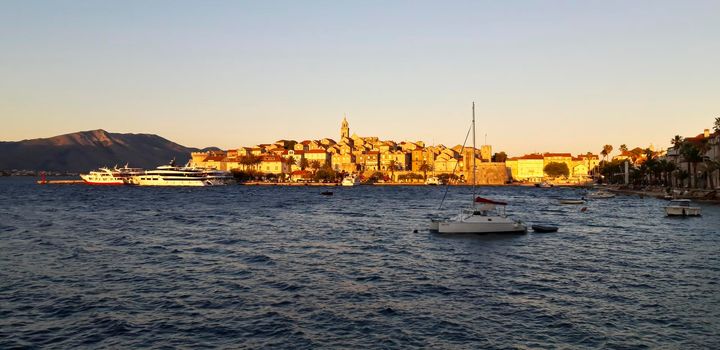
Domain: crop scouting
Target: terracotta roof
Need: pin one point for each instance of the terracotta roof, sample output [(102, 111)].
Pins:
[(271, 158), (548, 154)]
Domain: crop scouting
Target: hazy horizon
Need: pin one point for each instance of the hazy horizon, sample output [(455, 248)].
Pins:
[(546, 76)]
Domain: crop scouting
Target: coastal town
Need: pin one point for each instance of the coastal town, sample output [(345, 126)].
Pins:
[(692, 162)]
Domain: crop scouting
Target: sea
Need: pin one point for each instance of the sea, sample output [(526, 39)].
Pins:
[(252, 267)]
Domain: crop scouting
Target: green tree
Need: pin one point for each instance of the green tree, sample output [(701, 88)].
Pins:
[(290, 161), (692, 155), (716, 126), (315, 165), (623, 148), (607, 149), (555, 169), (392, 164), (304, 163), (425, 167)]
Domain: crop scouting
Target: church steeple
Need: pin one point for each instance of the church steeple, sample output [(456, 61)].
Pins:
[(344, 129)]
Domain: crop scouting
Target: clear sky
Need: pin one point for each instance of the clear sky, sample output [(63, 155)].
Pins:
[(546, 75)]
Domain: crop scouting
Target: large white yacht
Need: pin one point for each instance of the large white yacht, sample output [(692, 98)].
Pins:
[(172, 175)]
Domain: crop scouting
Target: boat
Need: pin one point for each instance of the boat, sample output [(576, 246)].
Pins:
[(544, 228), (433, 181), (350, 180), (484, 215), (601, 195), (103, 176), (544, 184), (326, 193), (173, 175), (107, 176), (571, 201), (681, 207)]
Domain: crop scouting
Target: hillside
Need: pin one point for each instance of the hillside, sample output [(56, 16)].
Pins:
[(86, 150)]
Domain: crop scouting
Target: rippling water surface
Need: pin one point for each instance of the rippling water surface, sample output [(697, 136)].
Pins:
[(276, 267)]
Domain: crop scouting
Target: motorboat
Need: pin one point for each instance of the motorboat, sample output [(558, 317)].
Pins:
[(600, 195), (681, 207), (433, 181), (484, 215), (350, 180), (544, 184)]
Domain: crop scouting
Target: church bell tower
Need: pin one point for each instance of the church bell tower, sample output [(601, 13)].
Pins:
[(344, 129)]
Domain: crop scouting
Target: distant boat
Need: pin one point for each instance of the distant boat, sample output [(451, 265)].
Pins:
[(544, 184), (571, 201), (681, 207), (544, 228), (433, 181), (350, 180), (484, 216), (601, 195)]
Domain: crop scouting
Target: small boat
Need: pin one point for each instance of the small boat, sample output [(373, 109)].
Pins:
[(326, 193), (681, 207), (601, 195), (544, 184), (433, 181), (544, 228), (571, 201), (350, 180)]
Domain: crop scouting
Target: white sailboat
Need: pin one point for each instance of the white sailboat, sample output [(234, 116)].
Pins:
[(484, 216)]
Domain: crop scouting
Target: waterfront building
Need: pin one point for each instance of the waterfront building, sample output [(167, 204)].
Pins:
[(273, 164), (529, 167), (319, 155)]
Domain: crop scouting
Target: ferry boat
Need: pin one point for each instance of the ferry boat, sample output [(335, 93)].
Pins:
[(103, 176), (107, 176)]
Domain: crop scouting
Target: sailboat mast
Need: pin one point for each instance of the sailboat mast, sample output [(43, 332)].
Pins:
[(473, 153)]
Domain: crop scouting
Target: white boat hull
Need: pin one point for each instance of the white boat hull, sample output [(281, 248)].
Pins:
[(682, 211), (148, 180), (489, 227)]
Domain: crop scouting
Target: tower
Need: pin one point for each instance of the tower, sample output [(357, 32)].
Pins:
[(344, 129)]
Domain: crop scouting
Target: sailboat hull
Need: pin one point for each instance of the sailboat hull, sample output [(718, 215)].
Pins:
[(487, 227)]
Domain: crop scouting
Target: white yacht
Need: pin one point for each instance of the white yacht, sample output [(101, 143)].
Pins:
[(681, 207), (484, 216), (433, 181), (350, 180), (219, 177), (172, 175), (103, 176), (107, 176)]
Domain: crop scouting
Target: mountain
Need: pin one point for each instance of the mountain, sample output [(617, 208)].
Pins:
[(87, 150)]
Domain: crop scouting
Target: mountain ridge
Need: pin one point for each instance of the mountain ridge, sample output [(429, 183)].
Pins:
[(87, 150)]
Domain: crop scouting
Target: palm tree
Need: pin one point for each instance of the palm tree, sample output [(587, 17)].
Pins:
[(315, 164), (304, 163), (623, 148), (710, 167), (716, 127), (392, 164), (692, 155), (425, 167), (290, 161), (677, 141)]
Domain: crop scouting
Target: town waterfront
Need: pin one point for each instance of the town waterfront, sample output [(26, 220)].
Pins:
[(284, 267)]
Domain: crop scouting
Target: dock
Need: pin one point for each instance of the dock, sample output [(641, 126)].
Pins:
[(59, 182)]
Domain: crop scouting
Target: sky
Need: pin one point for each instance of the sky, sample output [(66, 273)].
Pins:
[(559, 76)]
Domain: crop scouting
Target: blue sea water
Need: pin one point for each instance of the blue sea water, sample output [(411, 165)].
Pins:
[(284, 267)]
